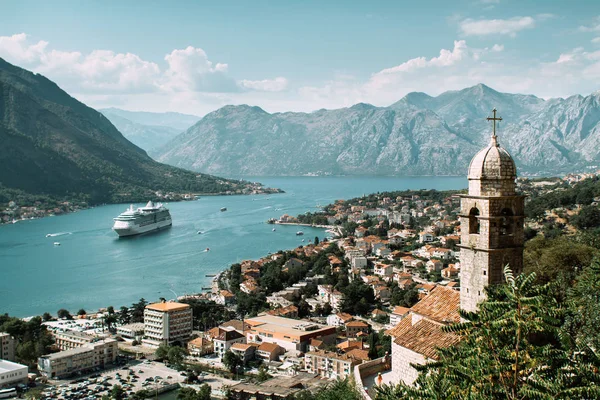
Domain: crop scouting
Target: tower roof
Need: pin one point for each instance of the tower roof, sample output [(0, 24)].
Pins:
[(493, 162)]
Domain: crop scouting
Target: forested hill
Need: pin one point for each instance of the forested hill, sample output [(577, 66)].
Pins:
[(53, 144)]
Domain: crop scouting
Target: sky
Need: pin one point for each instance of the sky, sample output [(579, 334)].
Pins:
[(197, 56)]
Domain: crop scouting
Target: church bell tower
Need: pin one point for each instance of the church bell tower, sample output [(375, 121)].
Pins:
[(491, 222)]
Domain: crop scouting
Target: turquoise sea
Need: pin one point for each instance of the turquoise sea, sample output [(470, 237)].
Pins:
[(93, 268)]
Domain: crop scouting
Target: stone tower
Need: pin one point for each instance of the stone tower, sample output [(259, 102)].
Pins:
[(491, 223)]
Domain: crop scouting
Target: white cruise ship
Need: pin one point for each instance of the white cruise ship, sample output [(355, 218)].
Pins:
[(145, 219)]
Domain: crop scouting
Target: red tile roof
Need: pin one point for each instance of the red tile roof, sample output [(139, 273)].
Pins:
[(440, 305), (424, 337)]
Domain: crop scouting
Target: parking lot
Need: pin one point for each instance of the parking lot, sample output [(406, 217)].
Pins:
[(136, 376)]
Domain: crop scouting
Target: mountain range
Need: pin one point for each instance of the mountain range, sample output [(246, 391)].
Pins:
[(418, 135), (149, 130), (54, 145)]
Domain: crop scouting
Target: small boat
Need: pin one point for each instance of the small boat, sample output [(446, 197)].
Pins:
[(57, 243), (303, 240), (299, 233), (207, 249), (199, 233), (48, 234), (223, 209), (273, 229), (210, 275)]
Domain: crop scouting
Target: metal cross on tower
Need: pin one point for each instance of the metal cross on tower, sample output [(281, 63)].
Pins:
[(494, 118)]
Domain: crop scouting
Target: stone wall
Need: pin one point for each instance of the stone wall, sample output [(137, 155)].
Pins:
[(401, 360)]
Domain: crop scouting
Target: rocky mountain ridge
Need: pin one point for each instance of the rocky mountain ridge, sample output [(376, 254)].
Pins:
[(418, 135)]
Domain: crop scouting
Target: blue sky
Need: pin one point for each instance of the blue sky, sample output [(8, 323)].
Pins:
[(281, 55)]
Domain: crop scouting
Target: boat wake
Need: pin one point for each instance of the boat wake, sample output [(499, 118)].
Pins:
[(59, 234)]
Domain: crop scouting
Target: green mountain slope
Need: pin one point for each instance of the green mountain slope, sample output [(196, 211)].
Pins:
[(53, 144)]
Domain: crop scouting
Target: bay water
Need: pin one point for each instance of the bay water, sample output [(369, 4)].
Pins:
[(93, 268)]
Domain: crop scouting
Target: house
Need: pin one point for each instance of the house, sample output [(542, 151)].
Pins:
[(426, 237), (293, 263), (225, 340), (288, 312), (384, 270), (245, 351), (397, 314), (349, 345), (339, 319), (360, 232), (377, 313), (450, 272), (200, 347), (434, 265), (396, 240), (269, 351), (354, 327), (383, 251), (358, 262), (382, 292), (425, 288), (329, 365), (225, 297), (249, 286), (405, 283)]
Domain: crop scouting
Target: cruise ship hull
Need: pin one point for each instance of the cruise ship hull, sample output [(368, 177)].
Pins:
[(138, 230)]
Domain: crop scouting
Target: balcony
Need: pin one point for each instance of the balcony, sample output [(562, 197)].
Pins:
[(366, 376)]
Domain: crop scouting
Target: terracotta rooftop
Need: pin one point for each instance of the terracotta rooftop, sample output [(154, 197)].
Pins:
[(242, 346), (399, 310), (440, 305), (425, 337), (359, 354), (357, 324), (270, 347), (167, 306)]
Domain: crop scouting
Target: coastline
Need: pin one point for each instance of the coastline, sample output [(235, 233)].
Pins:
[(61, 211)]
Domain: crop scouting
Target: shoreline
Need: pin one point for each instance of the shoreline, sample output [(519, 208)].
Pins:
[(79, 208)]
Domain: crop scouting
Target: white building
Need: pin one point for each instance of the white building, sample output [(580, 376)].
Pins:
[(167, 322), (131, 331), (7, 347), (225, 340), (11, 373), (65, 363)]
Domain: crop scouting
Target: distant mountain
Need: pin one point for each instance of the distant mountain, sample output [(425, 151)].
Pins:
[(149, 130), (418, 135), (55, 145)]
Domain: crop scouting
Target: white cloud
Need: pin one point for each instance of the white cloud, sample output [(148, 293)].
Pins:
[(498, 47), (103, 72), (596, 40), (593, 27), (190, 69), (483, 27), (266, 85)]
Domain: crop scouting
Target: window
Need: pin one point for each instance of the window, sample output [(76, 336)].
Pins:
[(506, 224), (474, 220)]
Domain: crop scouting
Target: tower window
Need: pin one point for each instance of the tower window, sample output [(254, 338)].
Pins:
[(506, 222), (474, 220)]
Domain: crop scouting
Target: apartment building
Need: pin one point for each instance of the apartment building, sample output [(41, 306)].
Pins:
[(329, 364), (80, 359), (291, 334), (11, 374), (8, 346), (72, 339), (167, 322)]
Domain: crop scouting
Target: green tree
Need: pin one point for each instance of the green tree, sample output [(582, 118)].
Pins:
[(81, 312), (263, 374), (47, 317), (162, 352), (588, 217), (63, 314), (583, 317), (117, 392), (513, 348), (316, 240), (124, 317), (231, 360), (176, 355)]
